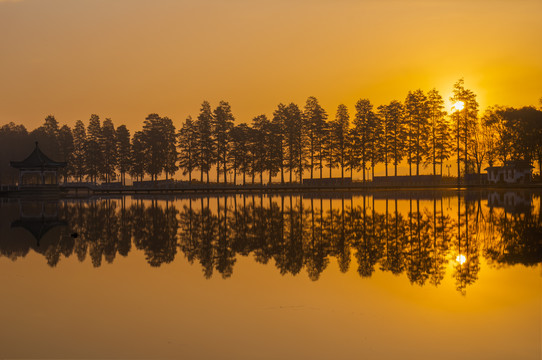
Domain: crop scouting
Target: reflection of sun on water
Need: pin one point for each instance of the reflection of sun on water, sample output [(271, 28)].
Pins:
[(461, 259)]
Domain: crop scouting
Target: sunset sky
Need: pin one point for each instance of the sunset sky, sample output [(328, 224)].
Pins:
[(125, 59)]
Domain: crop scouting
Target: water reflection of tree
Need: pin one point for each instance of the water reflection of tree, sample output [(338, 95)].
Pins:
[(517, 239), (466, 247), (417, 254), (316, 248), (225, 252), (341, 242), (205, 235), (440, 243), (368, 245), (300, 234)]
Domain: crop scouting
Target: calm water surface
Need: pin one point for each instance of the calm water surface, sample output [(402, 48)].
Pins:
[(379, 276)]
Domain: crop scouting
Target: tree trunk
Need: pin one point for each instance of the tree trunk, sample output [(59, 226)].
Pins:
[(291, 174), (321, 167), (434, 153), (225, 168), (458, 151), (395, 155), (312, 160), (466, 141)]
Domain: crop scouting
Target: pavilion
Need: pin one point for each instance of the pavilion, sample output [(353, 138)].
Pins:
[(38, 171), (39, 217)]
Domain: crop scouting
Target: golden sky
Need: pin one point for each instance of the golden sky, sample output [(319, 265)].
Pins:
[(127, 58)]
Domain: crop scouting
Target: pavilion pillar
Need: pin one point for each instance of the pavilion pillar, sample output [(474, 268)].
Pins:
[(42, 178)]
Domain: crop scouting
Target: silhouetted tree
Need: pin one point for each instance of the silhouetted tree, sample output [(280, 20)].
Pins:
[(153, 147), (438, 144), (138, 156), (238, 156), (340, 140), (122, 139), (294, 140), (363, 122), (417, 128), (15, 144), (159, 138), (188, 145), (108, 145), (481, 146), (206, 147), (66, 148), (78, 163), (222, 124), (277, 136), (47, 136), (523, 127), (315, 123), (260, 158), (169, 138), (394, 130), (94, 155), (465, 121)]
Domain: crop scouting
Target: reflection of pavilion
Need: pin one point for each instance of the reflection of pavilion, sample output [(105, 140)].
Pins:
[(38, 218), (38, 171), (511, 202)]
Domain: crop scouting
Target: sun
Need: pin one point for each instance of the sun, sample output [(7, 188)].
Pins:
[(461, 259), (458, 106)]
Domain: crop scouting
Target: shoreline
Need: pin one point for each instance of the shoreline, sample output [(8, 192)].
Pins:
[(88, 191)]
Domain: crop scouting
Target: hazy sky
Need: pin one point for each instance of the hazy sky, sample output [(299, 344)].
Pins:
[(127, 58)]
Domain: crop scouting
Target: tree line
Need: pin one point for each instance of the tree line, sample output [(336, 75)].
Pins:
[(295, 142), (296, 234)]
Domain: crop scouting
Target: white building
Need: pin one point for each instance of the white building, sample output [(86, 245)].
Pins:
[(512, 172), (511, 201)]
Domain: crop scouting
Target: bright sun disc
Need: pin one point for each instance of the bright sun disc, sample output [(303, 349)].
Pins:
[(461, 259), (458, 106)]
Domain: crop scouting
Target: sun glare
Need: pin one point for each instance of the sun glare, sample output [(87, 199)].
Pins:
[(461, 259), (458, 106)]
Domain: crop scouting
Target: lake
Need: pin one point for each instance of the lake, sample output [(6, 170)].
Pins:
[(383, 275)]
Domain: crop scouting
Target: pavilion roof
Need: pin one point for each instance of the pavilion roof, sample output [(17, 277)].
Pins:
[(38, 227), (37, 159)]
